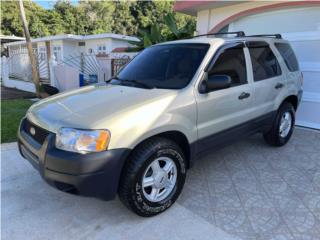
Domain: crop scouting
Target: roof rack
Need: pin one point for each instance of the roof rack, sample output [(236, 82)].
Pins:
[(267, 35), (238, 34)]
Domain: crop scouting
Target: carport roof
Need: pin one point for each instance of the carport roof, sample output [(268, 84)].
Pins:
[(5, 38), (78, 38)]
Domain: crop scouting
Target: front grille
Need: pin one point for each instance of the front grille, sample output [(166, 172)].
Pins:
[(37, 133)]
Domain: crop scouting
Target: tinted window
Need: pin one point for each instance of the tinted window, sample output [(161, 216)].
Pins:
[(288, 56), (264, 63), (169, 66), (232, 63)]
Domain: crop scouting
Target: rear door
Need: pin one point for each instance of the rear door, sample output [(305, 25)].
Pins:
[(266, 76), (222, 111)]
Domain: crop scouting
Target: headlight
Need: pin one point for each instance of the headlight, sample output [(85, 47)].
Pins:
[(82, 141)]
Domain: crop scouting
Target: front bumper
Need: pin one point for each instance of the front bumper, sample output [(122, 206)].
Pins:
[(92, 174)]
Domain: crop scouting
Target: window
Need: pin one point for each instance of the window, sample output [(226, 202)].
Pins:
[(102, 49), (57, 53), (169, 66), (288, 56), (42, 54), (232, 63), (264, 63)]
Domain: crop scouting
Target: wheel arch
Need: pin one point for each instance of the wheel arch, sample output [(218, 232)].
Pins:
[(179, 138), (293, 99)]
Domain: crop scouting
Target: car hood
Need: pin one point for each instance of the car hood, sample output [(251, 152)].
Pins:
[(94, 106)]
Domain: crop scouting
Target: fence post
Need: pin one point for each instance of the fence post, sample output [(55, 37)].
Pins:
[(48, 51), (82, 63), (4, 70), (52, 64)]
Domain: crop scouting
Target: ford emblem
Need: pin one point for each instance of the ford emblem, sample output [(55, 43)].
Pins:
[(32, 131)]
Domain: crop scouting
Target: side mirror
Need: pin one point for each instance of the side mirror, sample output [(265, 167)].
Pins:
[(215, 82)]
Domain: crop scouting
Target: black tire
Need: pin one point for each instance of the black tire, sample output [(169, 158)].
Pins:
[(273, 137), (49, 89), (130, 188)]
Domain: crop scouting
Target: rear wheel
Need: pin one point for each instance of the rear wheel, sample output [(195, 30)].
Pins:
[(153, 177), (282, 126)]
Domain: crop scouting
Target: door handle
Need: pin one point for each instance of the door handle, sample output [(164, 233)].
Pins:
[(244, 95), (278, 86)]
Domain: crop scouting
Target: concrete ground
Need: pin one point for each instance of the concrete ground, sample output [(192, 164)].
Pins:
[(245, 191)]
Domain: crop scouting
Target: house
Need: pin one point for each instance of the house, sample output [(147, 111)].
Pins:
[(78, 59), (64, 46), (296, 21)]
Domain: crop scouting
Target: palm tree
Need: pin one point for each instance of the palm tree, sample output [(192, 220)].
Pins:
[(152, 35)]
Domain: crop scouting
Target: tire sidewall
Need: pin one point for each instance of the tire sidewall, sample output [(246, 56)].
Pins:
[(285, 108), (152, 208)]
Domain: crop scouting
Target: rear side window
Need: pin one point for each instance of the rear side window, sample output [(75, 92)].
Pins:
[(264, 63), (232, 63), (288, 56)]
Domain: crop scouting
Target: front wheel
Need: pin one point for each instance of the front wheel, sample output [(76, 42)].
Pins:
[(153, 177), (282, 126)]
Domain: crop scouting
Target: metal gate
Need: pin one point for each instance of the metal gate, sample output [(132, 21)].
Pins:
[(118, 63), (19, 65), (85, 69)]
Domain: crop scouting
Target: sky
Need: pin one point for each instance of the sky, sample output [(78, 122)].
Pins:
[(47, 4)]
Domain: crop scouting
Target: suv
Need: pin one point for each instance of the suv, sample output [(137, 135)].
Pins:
[(138, 133)]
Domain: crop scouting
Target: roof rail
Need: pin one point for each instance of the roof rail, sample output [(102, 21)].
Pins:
[(238, 34), (267, 35)]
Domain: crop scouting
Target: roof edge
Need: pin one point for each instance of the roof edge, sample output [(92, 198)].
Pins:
[(78, 37)]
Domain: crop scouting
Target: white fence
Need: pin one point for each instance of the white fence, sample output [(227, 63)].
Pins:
[(65, 75)]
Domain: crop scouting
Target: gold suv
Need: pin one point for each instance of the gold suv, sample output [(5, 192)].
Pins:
[(139, 132)]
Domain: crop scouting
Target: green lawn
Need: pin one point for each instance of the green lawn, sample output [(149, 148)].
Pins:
[(11, 113)]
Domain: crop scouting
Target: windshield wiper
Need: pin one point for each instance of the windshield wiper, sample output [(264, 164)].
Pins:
[(142, 84), (110, 79), (135, 82)]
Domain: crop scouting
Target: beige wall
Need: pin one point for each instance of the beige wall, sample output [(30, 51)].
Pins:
[(280, 21), (207, 19)]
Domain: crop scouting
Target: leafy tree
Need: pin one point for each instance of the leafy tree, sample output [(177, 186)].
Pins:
[(124, 21), (152, 21), (41, 22), (153, 35), (54, 22), (98, 15), (10, 20), (11, 23), (68, 14)]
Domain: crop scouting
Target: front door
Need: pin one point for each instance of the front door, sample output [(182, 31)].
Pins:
[(221, 111)]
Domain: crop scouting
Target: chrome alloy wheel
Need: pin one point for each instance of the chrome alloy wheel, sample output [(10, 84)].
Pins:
[(285, 124), (159, 179)]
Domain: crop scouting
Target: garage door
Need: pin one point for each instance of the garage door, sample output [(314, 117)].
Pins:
[(307, 49), (301, 26)]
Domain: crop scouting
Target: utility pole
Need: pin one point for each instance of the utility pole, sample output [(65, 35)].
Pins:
[(35, 73)]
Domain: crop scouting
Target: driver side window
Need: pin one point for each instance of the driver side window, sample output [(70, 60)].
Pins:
[(231, 62)]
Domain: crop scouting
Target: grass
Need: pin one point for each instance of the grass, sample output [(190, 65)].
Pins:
[(11, 113)]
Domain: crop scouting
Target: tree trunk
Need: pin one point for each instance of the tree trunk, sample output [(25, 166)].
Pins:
[(35, 73)]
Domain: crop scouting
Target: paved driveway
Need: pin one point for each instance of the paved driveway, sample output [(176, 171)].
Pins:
[(245, 191)]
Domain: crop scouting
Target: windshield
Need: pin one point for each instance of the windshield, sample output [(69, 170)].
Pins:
[(170, 66)]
